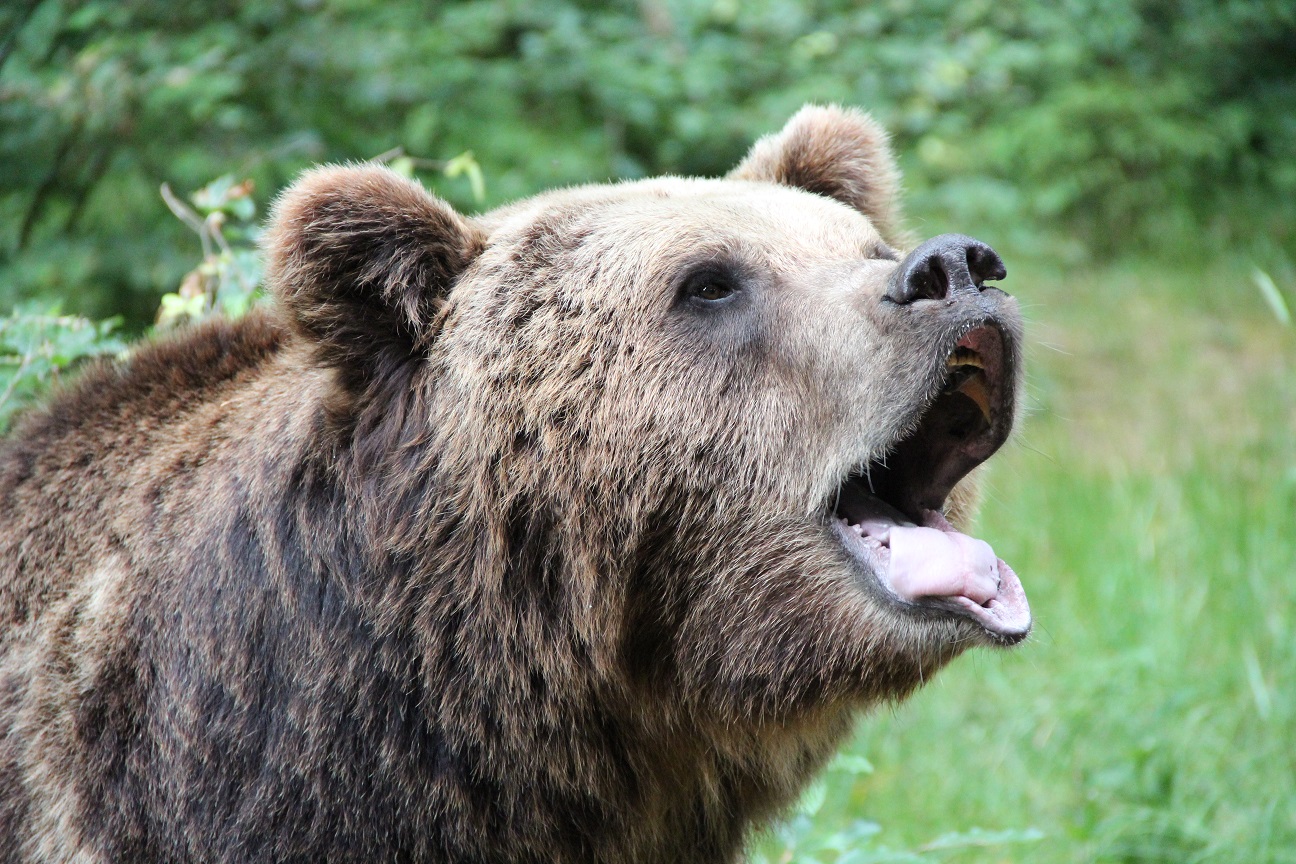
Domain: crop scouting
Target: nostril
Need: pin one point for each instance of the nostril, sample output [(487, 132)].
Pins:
[(931, 281), (984, 264), (974, 256), (920, 279)]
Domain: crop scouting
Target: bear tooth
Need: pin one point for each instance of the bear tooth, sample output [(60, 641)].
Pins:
[(974, 387), (964, 357)]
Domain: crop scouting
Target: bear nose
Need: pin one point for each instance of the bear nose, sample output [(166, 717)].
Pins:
[(944, 266)]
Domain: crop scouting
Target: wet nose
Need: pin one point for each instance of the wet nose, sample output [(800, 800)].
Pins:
[(944, 266)]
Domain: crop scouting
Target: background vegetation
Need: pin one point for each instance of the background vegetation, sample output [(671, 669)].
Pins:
[(1134, 160)]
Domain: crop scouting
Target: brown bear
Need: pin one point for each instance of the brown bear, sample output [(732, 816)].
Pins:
[(578, 531)]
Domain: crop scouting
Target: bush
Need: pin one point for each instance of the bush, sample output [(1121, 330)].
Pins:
[(1117, 123)]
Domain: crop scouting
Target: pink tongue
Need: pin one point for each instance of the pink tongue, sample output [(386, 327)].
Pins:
[(927, 562)]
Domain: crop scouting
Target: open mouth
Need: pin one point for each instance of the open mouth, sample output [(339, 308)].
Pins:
[(891, 512)]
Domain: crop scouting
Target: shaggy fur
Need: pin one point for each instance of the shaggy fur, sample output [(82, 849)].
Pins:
[(486, 543)]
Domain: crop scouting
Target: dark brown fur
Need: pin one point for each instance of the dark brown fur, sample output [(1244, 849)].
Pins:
[(431, 562)]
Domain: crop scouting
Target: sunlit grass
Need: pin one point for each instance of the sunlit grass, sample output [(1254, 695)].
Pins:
[(1150, 508)]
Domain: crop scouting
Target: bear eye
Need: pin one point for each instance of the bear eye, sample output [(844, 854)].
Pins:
[(712, 289), (709, 286)]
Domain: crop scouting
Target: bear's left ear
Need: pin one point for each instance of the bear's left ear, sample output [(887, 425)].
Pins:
[(362, 259), (837, 152)]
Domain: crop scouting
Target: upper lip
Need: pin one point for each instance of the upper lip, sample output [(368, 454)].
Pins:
[(965, 420)]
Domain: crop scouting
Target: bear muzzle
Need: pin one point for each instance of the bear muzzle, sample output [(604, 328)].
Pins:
[(890, 512)]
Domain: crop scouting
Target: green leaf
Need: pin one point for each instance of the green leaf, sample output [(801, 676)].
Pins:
[(813, 798), (1269, 291), (465, 163), (849, 763), (242, 207), (215, 194), (176, 309)]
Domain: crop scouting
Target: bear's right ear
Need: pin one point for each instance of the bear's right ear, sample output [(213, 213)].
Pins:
[(361, 259)]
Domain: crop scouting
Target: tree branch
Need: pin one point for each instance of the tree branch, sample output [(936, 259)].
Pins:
[(47, 186), (98, 168)]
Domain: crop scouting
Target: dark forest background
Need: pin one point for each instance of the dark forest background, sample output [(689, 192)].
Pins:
[(1075, 128)]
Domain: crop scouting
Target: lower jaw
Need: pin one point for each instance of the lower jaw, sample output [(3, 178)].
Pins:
[(1004, 619)]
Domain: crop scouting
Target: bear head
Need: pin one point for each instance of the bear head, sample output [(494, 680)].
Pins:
[(681, 394)]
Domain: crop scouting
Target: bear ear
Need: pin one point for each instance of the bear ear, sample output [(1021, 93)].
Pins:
[(837, 152), (362, 259)]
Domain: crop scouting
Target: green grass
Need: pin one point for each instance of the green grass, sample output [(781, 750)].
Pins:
[(1149, 506)]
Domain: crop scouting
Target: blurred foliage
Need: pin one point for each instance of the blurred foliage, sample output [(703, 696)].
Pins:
[(39, 343), (228, 280), (1118, 124)]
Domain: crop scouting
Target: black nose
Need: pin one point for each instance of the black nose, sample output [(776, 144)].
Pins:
[(943, 266)]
